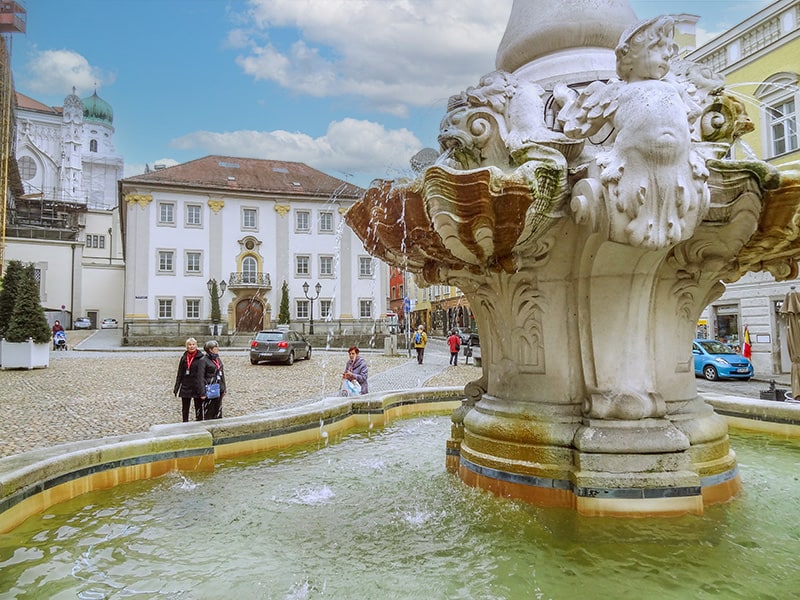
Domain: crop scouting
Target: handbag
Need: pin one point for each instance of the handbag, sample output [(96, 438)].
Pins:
[(212, 390), (350, 388)]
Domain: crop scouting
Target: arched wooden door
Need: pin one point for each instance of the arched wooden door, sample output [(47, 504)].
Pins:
[(249, 314)]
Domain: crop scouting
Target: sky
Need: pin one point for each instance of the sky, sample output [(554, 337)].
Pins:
[(353, 88)]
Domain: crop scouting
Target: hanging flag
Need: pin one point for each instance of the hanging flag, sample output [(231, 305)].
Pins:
[(746, 350)]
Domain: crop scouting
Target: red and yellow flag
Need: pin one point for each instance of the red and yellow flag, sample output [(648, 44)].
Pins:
[(746, 349)]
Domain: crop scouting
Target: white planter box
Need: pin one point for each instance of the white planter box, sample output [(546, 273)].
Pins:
[(24, 355)]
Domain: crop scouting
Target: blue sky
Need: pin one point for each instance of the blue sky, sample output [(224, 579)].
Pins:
[(351, 87)]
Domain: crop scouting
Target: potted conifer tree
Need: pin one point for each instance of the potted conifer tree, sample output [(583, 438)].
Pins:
[(23, 327)]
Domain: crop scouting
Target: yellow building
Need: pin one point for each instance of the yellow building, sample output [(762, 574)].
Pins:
[(760, 59)]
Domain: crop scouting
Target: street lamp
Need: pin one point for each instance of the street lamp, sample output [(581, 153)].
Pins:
[(216, 292), (317, 287)]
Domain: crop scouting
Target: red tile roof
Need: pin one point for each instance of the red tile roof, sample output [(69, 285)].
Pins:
[(28, 103), (250, 175)]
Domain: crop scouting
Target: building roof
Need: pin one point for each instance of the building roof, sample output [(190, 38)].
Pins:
[(249, 175), (28, 103)]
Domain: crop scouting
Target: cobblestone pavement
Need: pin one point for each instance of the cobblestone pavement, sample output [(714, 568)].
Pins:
[(86, 394), (104, 390)]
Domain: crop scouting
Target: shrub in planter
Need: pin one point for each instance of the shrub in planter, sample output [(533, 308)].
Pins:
[(27, 318), (15, 271)]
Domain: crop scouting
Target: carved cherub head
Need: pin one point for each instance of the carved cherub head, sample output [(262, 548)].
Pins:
[(645, 49)]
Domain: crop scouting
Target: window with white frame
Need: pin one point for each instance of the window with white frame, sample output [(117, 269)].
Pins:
[(326, 222), (194, 214), (165, 308), (326, 266), (166, 261), (95, 240), (166, 213), (249, 269), (783, 126), (325, 307), (249, 218), (192, 308), (302, 309), (302, 265), (302, 220), (194, 262), (365, 309), (779, 97), (364, 266)]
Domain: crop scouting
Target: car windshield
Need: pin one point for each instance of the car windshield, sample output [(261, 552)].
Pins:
[(714, 347), (269, 336)]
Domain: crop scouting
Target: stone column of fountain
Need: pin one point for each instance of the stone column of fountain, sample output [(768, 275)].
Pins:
[(582, 204)]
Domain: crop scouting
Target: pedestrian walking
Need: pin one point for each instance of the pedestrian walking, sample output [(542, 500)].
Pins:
[(213, 373), (189, 381), (420, 340), (356, 370), (454, 342)]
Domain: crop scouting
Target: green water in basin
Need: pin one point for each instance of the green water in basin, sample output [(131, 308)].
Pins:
[(375, 515)]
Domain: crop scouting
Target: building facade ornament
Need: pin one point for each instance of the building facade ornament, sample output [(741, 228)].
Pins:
[(141, 199)]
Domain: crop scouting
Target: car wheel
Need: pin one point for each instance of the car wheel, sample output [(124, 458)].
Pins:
[(710, 373), (308, 354), (290, 360), (253, 361)]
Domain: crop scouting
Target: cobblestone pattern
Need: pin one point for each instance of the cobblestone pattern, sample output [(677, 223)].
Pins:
[(91, 394)]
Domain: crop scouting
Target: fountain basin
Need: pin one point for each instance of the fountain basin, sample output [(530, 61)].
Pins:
[(377, 512), (34, 481)]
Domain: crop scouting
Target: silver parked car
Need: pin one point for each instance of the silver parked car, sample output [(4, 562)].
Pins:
[(278, 345), (82, 323)]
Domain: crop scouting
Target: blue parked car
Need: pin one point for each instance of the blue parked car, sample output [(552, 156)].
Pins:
[(715, 360)]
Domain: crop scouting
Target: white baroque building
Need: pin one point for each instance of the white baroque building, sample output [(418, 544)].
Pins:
[(252, 224), (66, 222)]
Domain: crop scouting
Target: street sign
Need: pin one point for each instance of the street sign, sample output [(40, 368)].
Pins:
[(407, 305)]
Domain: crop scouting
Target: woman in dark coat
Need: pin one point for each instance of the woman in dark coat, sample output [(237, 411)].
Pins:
[(189, 381), (213, 372)]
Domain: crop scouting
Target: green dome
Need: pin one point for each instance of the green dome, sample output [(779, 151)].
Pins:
[(97, 109)]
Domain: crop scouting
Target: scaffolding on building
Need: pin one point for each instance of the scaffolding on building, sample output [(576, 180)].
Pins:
[(12, 20)]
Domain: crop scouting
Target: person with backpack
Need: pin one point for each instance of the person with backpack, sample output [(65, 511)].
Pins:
[(454, 343), (420, 339)]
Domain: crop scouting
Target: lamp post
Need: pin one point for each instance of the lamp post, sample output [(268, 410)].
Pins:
[(317, 287), (216, 292)]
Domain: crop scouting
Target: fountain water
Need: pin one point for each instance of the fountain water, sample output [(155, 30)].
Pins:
[(583, 205), (377, 516)]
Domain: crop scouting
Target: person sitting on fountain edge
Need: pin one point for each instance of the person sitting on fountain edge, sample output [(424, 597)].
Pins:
[(356, 369)]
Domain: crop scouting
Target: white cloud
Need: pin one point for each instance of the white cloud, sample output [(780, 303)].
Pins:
[(349, 146), (391, 54), (57, 71), (132, 169)]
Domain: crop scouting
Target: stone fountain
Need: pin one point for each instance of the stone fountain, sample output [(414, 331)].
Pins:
[(583, 203)]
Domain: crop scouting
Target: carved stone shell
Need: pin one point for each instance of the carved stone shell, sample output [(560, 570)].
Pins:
[(450, 219)]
